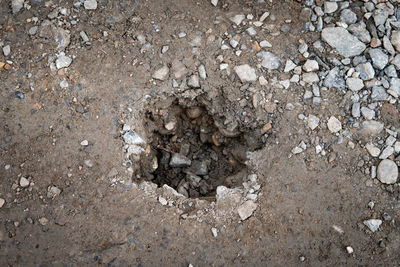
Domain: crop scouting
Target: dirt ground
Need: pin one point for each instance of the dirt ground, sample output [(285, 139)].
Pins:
[(103, 216)]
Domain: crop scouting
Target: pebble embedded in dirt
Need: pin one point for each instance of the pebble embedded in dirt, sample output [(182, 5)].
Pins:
[(345, 43), (246, 73), (246, 209), (334, 125), (161, 74), (387, 171), (2, 202), (178, 161), (373, 224), (90, 4), (23, 182)]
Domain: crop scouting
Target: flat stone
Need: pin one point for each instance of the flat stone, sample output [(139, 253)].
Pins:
[(360, 31), (246, 209), (2, 202), (366, 71), (194, 81), (161, 74), (346, 44), (354, 84), (90, 4), (313, 122), (373, 224), (387, 171), (269, 60), (310, 77), (289, 66), (334, 125), (311, 65), (63, 61), (246, 73), (348, 16), (179, 161), (355, 110), (379, 58), (367, 113), (372, 150), (330, 7), (371, 128), (387, 152), (395, 39), (132, 138)]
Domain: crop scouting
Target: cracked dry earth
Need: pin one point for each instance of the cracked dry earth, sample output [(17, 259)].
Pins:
[(199, 133)]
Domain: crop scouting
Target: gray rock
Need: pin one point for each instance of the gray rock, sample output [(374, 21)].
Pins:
[(395, 85), (246, 209), (33, 30), (16, 5), (179, 161), (161, 74), (289, 66), (311, 65), (313, 122), (246, 73), (379, 58), (367, 113), (334, 80), (346, 44), (132, 138), (6, 50), (348, 16), (395, 39), (387, 171), (269, 60), (379, 94), (23, 182), (371, 128), (354, 84), (90, 4), (194, 81), (372, 150), (388, 45), (360, 31), (237, 19), (310, 77), (62, 38), (391, 72), (330, 7), (387, 152), (202, 72), (63, 61), (355, 110), (334, 125), (373, 224), (84, 36), (380, 16), (366, 71)]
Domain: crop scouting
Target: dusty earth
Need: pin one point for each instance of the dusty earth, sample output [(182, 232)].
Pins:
[(310, 207)]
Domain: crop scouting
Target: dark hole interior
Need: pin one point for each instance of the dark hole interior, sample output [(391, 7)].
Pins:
[(193, 153)]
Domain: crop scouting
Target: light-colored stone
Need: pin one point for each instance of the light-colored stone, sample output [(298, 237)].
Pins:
[(246, 73), (23, 182), (346, 44), (372, 150), (334, 125), (90, 4), (395, 39), (161, 74), (246, 209), (373, 224), (354, 84), (311, 65), (387, 171), (313, 122)]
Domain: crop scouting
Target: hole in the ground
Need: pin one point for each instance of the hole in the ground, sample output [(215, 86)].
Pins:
[(193, 152)]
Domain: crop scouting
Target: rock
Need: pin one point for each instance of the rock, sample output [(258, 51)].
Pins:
[(355, 110), (132, 138), (90, 4), (289, 66), (194, 112), (360, 31), (84, 36), (334, 125), (346, 44), (310, 77), (371, 128), (251, 31), (179, 161), (43, 221), (387, 152), (395, 85), (379, 58), (265, 44), (349, 249), (246, 73), (162, 200), (366, 71), (269, 60), (179, 69), (372, 150), (238, 19), (214, 232), (53, 192), (214, 2), (6, 50), (373, 224), (311, 65), (84, 143), (330, 7), (23, 182), (395, 39), (62, 38), (63, 61), (246, 209), (88, 163), (202, 72), (161, 74), (33, 30), (379, 93), (348, 16), (313, 122), (367, 113), (335, 80), (2, 202), (380, 16), (354, 84), (16, 5), (387, 171), (194, 81)]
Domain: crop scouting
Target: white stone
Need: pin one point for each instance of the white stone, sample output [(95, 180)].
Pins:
[(214, 231), (289, 66), (246, 209), (355, 84), (23, 182), (63, 61), (334, 125), (162, 201), (161, 74), (84, 143), (90, 4), (6, 50), (238, 19), (349, 249), (313, 122), (246, 73), (2, 202), (310, 77), (372, 150), (265, 44), (387, 152), (373, 224), (214, 2), (387, 171), (311, 65)]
